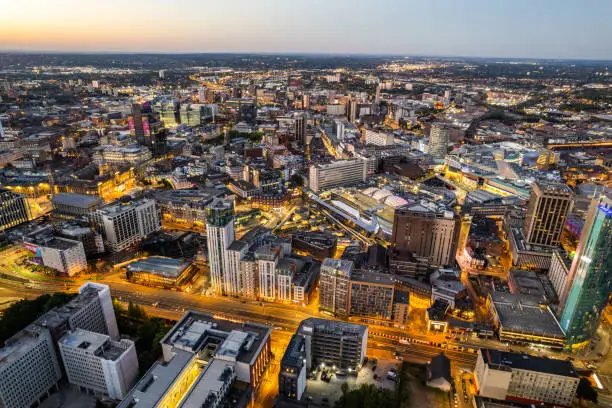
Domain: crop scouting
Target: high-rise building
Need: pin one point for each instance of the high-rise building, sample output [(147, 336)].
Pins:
[(300, 127), (343, 172), (125, 224), (335, 277), (29, 364), (589, 283), (426, 231), (29, 368), (14, 209), (267, 259), (148, 130), (137, 126), (197, 114), (439, 136), (548, 206), (292, 375), (99, 364), (220, 233), (333, 344), (371, 294), (352, 110), (523, 378)]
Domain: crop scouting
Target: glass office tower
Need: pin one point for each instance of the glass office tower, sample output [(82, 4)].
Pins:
[(590, 281)]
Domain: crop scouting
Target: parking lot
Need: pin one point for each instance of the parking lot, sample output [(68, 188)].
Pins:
[(326, 393)]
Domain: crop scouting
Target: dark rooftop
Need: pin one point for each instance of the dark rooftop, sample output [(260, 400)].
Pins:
[(498, 359)]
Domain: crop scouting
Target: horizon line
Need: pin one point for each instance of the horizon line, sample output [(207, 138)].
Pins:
[(297, 53)]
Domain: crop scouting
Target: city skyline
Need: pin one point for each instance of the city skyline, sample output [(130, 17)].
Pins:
[(461, 29)]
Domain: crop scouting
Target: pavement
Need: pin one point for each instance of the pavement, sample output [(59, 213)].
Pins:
[(414, 345)]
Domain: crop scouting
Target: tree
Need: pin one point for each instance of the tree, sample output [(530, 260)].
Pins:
[(20, 314), (297, 180), (366, 396), (136, 311)]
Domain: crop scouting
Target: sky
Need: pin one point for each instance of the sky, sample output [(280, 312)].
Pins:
[(579, 29)]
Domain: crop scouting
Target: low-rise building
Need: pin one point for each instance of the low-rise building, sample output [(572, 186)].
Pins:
[(70, 205), (524, 319), (64, 255), (160, 272), (446, 285), (202, 357), (524, 378)]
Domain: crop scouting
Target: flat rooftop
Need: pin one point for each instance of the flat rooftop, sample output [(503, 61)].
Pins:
[(155, 383), (372, 277), (61, 244), (507, 360), (331, 326), (524, 314), (295, 352), (118, 208), (239, 341), (210, 382), (93, 343), (76, 200), (157, 265)]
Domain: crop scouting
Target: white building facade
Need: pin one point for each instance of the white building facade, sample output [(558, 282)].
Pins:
[(96, 363)]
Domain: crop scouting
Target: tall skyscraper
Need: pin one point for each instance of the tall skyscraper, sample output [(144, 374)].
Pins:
[(300, 127), (590, 279), (147, 129), (136, 124), (548, 206), (220, 233), (439, 137)]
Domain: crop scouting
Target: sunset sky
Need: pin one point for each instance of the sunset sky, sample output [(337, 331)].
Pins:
[(497, 28)]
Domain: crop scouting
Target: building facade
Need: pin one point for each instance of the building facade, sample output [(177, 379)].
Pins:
[(64, 255), (292, 375), (126, 224), (220, 233), (29, 364), (344, 172), (14, 209), (98, 364), (333, 344), (334, 284), (426, 232), (439, 136), (590, 278), (547, 211), (526, 379)]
